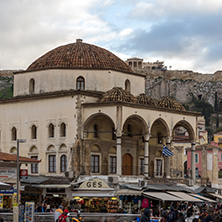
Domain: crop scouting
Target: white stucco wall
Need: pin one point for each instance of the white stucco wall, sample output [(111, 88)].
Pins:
[(39, 112), (58, 79)]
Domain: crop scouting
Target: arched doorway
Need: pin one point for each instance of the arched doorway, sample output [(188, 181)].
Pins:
[(127, 164)]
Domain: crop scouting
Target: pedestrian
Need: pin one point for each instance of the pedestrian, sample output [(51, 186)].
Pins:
[(58, 212), (41, 208), (164, 216), (171, 215), (64, 217), (146, 215)]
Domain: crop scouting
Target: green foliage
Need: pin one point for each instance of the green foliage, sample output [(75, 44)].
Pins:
[(6, 93), (220, 174), (204, 107)]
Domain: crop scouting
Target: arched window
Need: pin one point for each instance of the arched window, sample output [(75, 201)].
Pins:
[(31, 86), (127, 86), (63, 163), (33, 132), (51, 131), (62, 130), (95, 131), (80, 83), (14, 134)]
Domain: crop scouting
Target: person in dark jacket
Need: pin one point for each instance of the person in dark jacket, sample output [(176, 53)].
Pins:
[(171, 215), (146, 215)]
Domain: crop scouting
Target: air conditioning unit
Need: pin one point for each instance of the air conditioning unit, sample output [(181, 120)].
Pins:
[(141, 183), (67, 174), (113, 179), (190, 182)]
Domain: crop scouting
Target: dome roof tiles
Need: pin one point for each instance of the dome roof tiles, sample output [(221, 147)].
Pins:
[(79, 55), (144, 99), (118, 94), (167, 102)]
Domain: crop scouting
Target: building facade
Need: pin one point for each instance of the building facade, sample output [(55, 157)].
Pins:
[(84, 113)]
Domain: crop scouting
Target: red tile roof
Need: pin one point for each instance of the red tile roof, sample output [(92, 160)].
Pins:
[(79, 55), (8, 157)]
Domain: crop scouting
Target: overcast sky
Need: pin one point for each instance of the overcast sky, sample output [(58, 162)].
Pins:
[(186, 35)]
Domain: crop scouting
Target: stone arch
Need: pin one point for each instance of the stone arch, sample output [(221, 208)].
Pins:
[(33, 149), (102, 124), (140, 127), (13, 150), (63, 147), (188, 127), (51, 148), (159, 129)]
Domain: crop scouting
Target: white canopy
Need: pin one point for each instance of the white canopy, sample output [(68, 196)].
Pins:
[(5, 186), (162, 196), (185, 196)]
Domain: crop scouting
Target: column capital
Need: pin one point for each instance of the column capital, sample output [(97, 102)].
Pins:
[(119, 134), (168, 139), (193, 142), (147, 137)]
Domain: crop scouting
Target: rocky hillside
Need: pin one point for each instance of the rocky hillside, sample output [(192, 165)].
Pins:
[(6, 83)]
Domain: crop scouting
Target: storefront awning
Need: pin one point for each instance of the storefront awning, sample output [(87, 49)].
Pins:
[(5, 186), (203, 198), (184, 196), (93, 194), (128, 192), (216, 195), (53, 186), (162, 196)]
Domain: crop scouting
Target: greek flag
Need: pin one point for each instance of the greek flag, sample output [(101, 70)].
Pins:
[(166, 151)]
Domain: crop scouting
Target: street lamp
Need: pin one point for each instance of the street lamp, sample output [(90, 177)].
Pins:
[(18, 172)]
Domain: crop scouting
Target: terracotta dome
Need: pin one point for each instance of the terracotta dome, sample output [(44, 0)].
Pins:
[(167, 102), (144, 99), (118, 94), (79, 55)]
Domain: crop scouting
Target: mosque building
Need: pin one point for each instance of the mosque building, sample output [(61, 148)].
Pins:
[(84, 114)]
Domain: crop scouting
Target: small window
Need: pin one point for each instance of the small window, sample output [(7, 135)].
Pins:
[(113, 164), (62, 130), (33, 132), (141, 166), (127, 86), (96, 131), (51, 130), (196, 158), (80, 83), (63, 163), (34, 166), (52, 163), (95, 163), (31, 86), (14, 134)]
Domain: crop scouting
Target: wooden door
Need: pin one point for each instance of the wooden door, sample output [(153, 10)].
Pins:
[(127, 164)]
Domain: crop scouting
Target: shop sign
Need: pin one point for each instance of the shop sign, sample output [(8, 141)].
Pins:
[(8, 172), (94, 184), (23, 173), (7, 191)]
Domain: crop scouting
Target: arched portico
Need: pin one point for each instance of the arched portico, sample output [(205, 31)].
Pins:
[(190, 139), (159, 136)]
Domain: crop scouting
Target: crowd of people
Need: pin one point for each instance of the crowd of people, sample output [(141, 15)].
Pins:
[(185, 212)]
